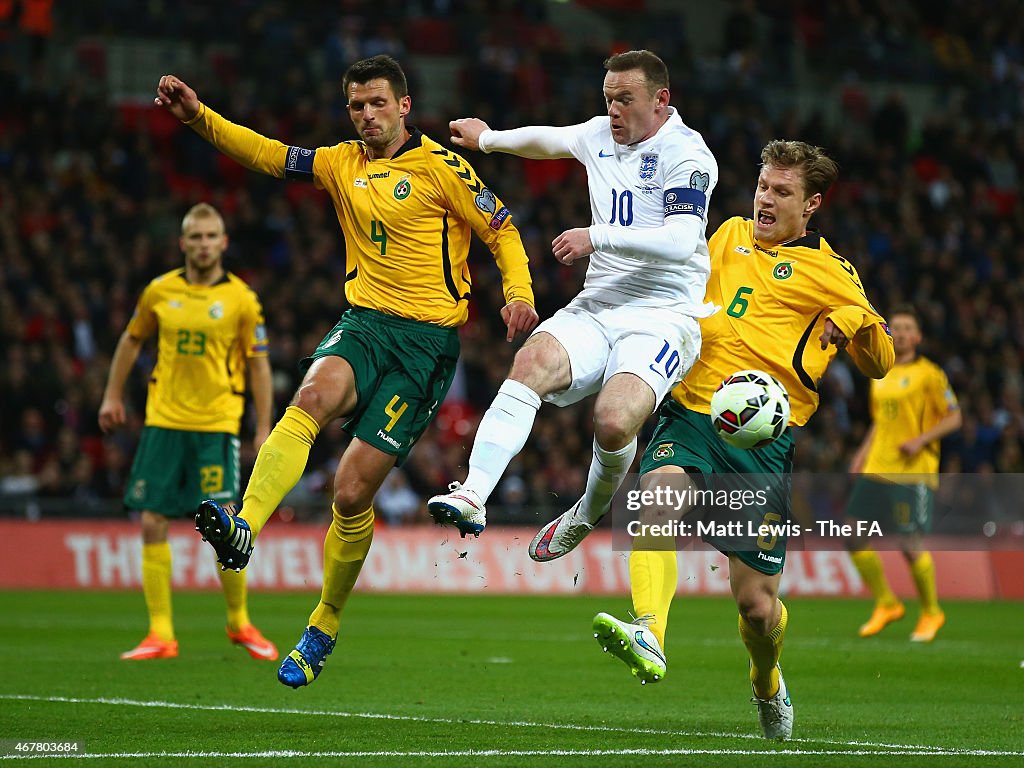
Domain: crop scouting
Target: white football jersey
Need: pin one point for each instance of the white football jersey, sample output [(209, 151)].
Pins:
[(670, 174)]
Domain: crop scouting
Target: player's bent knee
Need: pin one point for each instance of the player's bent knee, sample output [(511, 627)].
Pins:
[(315, 400), (352, 502), (614, 430), (756, 608)]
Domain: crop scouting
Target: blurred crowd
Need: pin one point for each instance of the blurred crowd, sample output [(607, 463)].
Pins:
[(92, 190)]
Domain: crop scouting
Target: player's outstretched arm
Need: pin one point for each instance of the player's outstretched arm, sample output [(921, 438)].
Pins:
[(539, 142), (255, 152)]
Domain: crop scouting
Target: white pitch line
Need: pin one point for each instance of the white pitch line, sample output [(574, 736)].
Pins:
[(500, 753), (873, 747)]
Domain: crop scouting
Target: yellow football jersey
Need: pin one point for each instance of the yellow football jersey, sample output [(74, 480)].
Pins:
[(205, 334), (910, 400), (774, 303), (407, 220)]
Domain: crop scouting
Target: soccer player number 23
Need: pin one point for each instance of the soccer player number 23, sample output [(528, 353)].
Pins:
[(191, 343)]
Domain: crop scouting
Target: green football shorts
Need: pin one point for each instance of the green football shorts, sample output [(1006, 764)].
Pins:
[(174, 470), (403, 369), (898, 508), (686, 439)]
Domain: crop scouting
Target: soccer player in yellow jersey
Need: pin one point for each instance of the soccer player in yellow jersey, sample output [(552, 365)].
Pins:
[(789, 304), (408, 208), (912, 409), (209, 328)]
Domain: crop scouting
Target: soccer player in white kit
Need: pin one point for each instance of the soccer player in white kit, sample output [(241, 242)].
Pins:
[(632, 333)]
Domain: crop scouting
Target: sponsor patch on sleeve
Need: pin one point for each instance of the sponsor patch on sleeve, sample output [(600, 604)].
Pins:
[(499, 218), (685, 200), (298, 165)]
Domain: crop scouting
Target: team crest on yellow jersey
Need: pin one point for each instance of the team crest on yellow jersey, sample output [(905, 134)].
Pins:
[(403, 188), (217, 310), (783, 271)]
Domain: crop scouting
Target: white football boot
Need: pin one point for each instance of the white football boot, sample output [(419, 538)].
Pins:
[(561, 536), (461, 507), (776, 714), (634, 643)]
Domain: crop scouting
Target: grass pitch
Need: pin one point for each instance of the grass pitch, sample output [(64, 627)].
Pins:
[(503, 681)]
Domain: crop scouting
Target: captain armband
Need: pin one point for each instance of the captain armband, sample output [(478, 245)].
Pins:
[(685, 200), (298, 164)]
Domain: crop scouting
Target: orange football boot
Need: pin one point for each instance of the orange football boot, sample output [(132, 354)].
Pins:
[(881, 617), (927, 626), (254, 642), (152, 647)]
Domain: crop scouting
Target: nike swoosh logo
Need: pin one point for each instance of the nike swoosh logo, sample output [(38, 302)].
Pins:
[(639, 638), (656, 371), (602, 154), (544, 545)]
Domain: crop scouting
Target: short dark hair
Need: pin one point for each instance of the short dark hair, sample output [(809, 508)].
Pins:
[(374, 68), (906, 310), (654, 69), (818, 169)]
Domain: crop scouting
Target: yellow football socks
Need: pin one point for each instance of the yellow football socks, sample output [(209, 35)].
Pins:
[(345, 547), (653, 575), (156, 587), (234, 585), (923, 571), (869, 565), (279, 466), (765, 651)]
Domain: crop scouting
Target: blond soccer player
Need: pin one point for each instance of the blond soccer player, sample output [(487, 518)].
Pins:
[(210, 331), (789, 304)]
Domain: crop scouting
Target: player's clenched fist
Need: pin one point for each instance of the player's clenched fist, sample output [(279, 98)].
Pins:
[(466, 132), (177, 98)]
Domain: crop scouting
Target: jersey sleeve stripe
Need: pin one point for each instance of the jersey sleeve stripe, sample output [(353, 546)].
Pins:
[(798, 356), (446, 263)]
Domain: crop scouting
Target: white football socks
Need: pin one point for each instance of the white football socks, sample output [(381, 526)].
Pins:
[(607, 469), (502, 433)]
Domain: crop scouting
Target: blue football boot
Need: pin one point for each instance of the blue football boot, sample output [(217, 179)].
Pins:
[(303, 664), (229, 535)]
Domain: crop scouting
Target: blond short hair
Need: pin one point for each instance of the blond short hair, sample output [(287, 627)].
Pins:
[(200, 211), (819, 170)]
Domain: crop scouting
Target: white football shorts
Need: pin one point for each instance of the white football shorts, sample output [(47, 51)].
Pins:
[(656, 344)]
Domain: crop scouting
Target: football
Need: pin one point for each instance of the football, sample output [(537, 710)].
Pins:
[(750, 409)]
